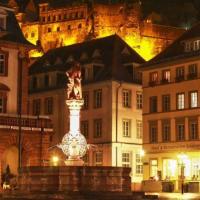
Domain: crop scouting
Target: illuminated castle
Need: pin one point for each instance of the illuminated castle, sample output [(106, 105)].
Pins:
[(58, 23)]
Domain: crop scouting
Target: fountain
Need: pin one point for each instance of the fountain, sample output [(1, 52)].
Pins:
[(74, 180)]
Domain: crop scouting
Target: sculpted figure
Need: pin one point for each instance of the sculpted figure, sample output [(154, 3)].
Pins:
[(74, 90)]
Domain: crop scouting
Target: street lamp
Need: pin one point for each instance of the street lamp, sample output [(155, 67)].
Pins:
[(182, 158)]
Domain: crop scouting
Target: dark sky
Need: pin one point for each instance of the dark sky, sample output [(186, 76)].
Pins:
[(183, 13)]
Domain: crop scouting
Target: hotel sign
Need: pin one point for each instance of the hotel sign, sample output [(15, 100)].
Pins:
[(174, 147)]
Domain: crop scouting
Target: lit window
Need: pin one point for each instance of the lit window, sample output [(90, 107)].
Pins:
[(138, 129), (126, 125), (153, 104), (166, 76), (139, 100), (49, 105), (166, 103), (193, 129), (139, 164), (153, 78), (86, 100), (169, 168), (153, 132), (193, 99), (85, 128), (97, 98), (98, 158), (166, 131), (126, 159), (180, 101), (36, 106), (126, 98), (97, 128), (153, 168), (180, 130)]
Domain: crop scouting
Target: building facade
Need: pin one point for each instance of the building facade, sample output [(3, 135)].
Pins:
[(171, 113), (111, 118), (60, 23), (15, 123)]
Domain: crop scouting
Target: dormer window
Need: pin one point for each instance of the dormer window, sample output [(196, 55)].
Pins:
[(192, 45), (196, 45)]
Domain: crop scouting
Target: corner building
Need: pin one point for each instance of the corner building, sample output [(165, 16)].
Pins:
[(171, 119), (35, 132), (111, 118)]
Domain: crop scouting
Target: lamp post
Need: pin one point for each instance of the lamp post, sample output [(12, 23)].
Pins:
[(181, 160)]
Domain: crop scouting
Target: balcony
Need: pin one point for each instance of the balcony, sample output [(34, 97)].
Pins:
[(180, 78), (27, 122), (153, 83), (191, 76), (165, 81)]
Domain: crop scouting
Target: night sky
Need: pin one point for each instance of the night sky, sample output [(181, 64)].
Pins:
[(182, 13)]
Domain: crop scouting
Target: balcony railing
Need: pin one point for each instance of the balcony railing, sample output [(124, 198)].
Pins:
[(180, 78), (191, 76), (153, 83), (26, 121)]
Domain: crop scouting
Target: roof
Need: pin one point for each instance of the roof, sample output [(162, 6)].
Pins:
[(112, 52), (12, 32), (175, 51)]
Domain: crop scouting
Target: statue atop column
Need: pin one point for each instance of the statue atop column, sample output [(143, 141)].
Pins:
[(74, 90)]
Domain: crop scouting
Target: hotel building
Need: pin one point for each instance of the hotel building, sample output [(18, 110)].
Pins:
[(171, 119)]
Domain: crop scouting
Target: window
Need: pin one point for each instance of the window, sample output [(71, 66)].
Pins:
[(180, 101), (126, 101), (58, 29), (126, 125), (139, 100), (97, 128), (3, 102), (180, 130), (3, 64), (153, 104), (166, 76), (139, 164), (193, 129), (34, 82), (196, 45), (192, 71), (153, 78), (169, 168), (54, 18), (59, 17), (69, 27), (49, 105), (153, 131), (46, 80), (49, 30), (32, 34), (126, 159), (187, 46), (138, 129), (48, 18), (86, 159), (166, 103), (166, 131), (36, 106), (3, 22), (180, 73), (79, 26), (85, 128), (153, 168), (86, 100), (98, 98), (193, 99), (98, 158)]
